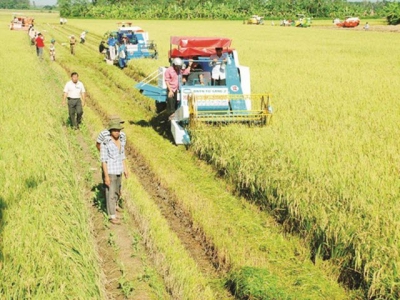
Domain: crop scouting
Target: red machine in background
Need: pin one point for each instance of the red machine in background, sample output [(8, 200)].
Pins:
[(349, 22)]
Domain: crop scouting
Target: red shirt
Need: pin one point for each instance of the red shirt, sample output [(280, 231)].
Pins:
[(39, 42)]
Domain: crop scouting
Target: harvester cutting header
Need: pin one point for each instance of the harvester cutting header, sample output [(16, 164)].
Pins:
[(213, 86)]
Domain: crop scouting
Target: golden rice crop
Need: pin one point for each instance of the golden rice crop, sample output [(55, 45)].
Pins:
[(46, 250), (328, 166)]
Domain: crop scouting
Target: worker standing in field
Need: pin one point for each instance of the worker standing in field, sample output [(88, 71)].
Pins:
[(173, 77), (39, 41), (52, 50), (111, 42), (104, 135), (218, 62), (74, 91), (112, 155), (83, 37), (72, 42)]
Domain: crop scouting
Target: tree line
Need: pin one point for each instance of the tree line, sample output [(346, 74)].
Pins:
[(228, 9), (220, 9), (14, 4)]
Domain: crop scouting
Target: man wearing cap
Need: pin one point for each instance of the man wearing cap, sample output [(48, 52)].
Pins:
[(112, 155), (105, 133), (218, 61), (172, 78), (103, 136), (74, 91)]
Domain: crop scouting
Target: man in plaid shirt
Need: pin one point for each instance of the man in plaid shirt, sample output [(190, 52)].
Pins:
[(112, 155)]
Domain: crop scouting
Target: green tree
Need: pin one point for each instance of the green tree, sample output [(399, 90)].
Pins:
[(392, 11), (14, 4)]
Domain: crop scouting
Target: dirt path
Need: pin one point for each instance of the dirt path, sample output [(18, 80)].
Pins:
[(128, 273)]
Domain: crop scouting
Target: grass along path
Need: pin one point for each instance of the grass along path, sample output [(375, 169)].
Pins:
[(241, 237)]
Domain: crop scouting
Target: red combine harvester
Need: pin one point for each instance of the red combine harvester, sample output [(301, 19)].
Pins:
[(21, 23), (350, 22)]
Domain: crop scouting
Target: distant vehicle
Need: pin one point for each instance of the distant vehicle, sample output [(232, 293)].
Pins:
[(138, 44), (21, 22), (303, 21), (349, 22), (255, 20)]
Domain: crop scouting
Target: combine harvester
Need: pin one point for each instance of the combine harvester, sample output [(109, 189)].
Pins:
[(255, 20), (349, 22), (21, 22), (303, 21), (202, 102), (138, 44)]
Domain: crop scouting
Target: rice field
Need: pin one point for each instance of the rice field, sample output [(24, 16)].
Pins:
[(327, 168), (46, 247)]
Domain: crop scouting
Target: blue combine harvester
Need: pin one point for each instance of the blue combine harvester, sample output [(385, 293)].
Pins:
[(202, 99), (135, 41)]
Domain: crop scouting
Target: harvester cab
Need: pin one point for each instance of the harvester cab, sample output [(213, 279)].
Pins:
[(200, 99)]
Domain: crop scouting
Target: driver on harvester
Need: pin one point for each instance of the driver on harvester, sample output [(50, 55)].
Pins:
[(172, 78)]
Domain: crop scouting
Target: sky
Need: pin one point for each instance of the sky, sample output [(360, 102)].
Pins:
[(44, 2)]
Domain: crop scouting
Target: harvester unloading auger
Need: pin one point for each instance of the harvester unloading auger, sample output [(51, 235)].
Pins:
[(199, 100)]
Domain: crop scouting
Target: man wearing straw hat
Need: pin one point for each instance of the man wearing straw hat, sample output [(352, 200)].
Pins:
[(105, 134), (112, 155)]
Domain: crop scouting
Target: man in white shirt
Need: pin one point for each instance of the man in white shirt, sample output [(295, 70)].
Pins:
[(83, 37), (74, 91), (218, 62)]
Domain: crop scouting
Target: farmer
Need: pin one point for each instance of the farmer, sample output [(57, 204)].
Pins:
[(39, 41), (83, 37), (122, 54), (32, 35), (218, 62), (52, 49), (112, 155), (111, 42), (74, 91), (172, 77), (194, 66), (72, 42), (102, 47), (104, 135)]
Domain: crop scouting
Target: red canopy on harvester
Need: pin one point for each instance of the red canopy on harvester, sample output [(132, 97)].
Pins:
[(197, 46)]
